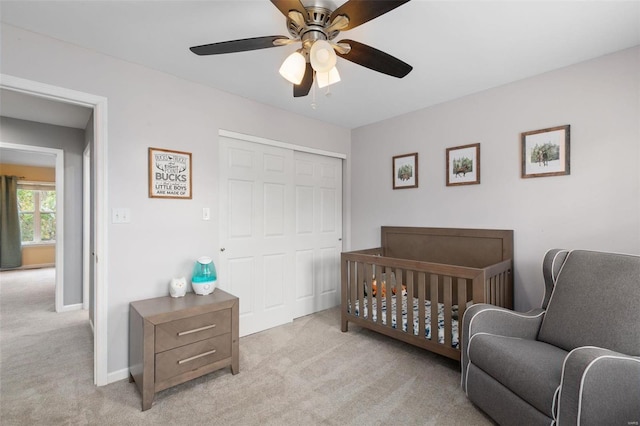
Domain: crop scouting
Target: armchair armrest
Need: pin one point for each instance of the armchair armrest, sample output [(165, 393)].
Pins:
[(599, 386), (485, 318)]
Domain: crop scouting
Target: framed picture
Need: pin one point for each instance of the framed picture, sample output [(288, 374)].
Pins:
[(546, 152), (405, 171), (463, 165), (169, 174)]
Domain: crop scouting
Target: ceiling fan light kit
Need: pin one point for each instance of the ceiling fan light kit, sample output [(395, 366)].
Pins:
[(324, 79), (322, 56), (314, 24), (293, 67)]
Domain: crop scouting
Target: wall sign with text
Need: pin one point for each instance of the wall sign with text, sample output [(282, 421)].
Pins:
[(169, 174)]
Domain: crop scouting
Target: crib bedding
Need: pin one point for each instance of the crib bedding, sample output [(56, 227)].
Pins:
[(427, 320)]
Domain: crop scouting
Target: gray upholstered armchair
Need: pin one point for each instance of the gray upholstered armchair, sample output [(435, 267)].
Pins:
[(576, 360)]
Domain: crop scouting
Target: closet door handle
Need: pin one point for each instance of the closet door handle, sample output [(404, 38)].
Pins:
[(195, 330), (182, 361)]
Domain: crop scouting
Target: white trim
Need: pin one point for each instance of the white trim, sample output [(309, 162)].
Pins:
[(36, 266), (116, 376), (60, 230), (270, 142), (554, 278), (99, 105), (69, 308), (86, 225), (556, 398)]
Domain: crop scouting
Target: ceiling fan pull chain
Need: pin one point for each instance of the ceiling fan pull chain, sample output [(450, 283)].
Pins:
[(313, 95)]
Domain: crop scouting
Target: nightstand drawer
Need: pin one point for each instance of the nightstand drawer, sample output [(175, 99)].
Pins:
[(193, 329), (190, 357)]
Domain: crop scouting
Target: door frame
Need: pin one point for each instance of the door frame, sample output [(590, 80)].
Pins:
[(86, 226), (99, 106), (271, 142)]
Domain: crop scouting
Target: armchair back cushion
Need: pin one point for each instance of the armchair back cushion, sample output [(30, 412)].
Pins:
[(595, 301)]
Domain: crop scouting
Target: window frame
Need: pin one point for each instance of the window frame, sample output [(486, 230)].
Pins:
[(37, 188)]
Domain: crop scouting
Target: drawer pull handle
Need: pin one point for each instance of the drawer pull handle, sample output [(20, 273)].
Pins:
[(195, 330), (182, 361)]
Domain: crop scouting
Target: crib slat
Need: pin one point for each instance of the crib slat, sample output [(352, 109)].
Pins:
[(362, 282), (387, 285), (409, 296), (435, 296), (353, 283), (448, 287), (378, 274), (399, 300), (462, 302), (421, 293), (368, 273)]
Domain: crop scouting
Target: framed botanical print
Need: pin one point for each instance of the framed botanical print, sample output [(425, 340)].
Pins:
[(463, 165), (405, 171), (546, 152)]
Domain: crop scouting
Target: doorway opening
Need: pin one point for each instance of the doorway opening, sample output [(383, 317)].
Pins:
[(99, 202)]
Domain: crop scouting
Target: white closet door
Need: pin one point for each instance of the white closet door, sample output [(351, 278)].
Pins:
[(256, 231), (318, 233)]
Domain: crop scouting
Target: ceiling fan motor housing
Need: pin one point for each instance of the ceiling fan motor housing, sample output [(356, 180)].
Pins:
[(317, 20)]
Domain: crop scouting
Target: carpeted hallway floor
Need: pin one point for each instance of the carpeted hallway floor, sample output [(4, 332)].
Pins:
[(304, 373)]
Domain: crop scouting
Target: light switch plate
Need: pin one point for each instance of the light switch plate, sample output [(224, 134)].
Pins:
[(121, 215)]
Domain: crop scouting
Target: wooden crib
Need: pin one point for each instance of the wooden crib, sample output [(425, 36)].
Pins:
[(417, 266)]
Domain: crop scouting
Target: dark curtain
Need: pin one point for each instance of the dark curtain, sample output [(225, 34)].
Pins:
[(10, 242)]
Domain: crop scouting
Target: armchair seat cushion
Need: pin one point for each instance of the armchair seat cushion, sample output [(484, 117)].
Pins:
[(531, 369)]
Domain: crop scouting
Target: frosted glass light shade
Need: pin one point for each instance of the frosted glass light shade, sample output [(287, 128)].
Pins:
[(326, 78), (293, 68), (322, 56)]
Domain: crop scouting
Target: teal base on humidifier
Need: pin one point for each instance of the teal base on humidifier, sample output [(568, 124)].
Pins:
[(204, 277)]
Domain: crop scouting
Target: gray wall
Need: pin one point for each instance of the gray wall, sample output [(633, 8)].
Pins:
[(146, 109), (71, 141), (596, 207)]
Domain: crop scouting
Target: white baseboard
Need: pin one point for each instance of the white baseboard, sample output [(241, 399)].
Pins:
[(69, 308), (38, 266), (116, 376)]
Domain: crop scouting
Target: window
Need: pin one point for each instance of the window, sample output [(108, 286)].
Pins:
[(37, 211)]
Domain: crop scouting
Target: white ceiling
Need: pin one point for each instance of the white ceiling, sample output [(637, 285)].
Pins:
[(456, 47)]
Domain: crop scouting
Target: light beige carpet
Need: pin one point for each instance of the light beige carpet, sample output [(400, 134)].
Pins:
[(304, 373)]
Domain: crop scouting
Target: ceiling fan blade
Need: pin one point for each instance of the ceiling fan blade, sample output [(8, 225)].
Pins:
[(285, 6), (375, 59), (303, 88), (361, 11), (241, 45)]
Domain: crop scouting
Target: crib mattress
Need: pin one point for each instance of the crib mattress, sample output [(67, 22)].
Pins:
[(454, 322)]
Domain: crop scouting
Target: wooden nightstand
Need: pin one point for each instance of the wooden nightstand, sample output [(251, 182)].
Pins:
[(173, 340)]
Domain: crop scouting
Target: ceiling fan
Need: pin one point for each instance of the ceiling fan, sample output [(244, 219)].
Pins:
[(315, 24)]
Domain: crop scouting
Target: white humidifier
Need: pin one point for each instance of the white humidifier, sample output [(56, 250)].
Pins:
[(204, 277)]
